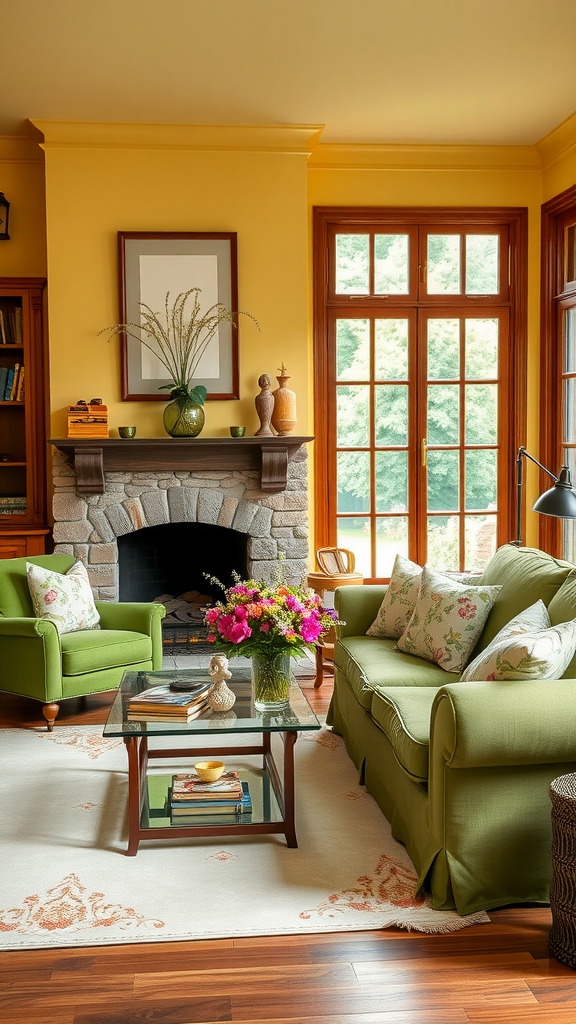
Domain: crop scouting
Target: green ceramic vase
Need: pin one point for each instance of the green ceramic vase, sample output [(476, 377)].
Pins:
[(183, 418)]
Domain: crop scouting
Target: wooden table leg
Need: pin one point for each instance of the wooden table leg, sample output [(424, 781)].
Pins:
[(134, 794), (290, 826), (319, 667)]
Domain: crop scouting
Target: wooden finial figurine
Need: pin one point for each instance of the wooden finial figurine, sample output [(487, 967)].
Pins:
[(284, 415), (264, 403), (221, 697)]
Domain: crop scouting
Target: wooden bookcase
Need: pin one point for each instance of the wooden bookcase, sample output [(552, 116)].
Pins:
[(23, 531)]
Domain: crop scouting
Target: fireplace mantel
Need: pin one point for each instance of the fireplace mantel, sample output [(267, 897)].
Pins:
[(92, 457)]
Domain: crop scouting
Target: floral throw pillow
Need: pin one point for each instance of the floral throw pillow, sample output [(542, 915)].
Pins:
[(64, 599), (528, 647), (447, 620), (399, 600)]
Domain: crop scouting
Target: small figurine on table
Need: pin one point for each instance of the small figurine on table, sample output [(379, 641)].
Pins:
[(221, 697)]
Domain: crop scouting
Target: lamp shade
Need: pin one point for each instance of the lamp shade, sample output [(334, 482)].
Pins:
[(559, 500)]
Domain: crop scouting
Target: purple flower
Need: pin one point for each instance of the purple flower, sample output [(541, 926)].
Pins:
[(294, 604)]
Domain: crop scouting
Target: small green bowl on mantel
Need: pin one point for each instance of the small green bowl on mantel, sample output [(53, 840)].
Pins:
[(127, 432), (237, 431)]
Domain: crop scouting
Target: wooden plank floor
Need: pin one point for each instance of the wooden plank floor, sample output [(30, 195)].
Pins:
[(499, 972)]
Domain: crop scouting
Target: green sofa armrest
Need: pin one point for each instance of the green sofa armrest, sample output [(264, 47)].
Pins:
[(357, 607), (504, 723), (138, 617), (30, 658)]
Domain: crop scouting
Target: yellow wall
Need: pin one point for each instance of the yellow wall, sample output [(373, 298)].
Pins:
[(22, 181), (152, 180), (255, 181), (431, 176)]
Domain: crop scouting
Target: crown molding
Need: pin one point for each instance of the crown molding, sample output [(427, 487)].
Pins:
[(342, 156), (292, 139), (559, 143), (20, 149)]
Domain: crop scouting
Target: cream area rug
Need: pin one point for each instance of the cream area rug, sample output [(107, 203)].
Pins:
[(66, 880)]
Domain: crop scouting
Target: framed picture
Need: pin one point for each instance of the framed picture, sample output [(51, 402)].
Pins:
[(154, 264)]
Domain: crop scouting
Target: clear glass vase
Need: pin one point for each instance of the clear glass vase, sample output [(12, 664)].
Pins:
[(183, 418), (271, 675)]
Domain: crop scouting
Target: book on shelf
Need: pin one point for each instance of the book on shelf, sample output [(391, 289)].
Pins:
[(14, 387), (189, 787), (16, 500), (3, 380), (235, 806), (177, 715), (20, 387), (3, 340), (18, 325), (8, 327), (9, 383)]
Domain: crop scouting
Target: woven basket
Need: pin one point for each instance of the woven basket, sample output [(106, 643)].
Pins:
[(563, 886)]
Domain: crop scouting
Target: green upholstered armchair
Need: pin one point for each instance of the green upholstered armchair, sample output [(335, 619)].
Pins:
[(37, 662)]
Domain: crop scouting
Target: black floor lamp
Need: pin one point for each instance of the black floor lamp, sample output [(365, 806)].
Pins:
[(558, 501)]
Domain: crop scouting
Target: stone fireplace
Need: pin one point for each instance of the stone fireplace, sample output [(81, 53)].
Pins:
[(105, 490)]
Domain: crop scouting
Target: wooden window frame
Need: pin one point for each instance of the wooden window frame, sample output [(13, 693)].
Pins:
[(328, 220), (555, 214)]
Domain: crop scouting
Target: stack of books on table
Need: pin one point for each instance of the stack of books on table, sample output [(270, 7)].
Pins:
[(193, 802), (161, 704)]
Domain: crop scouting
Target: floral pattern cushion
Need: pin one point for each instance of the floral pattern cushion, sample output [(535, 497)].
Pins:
[(64, 599), (528, 647), (399, 600), (447, 620)]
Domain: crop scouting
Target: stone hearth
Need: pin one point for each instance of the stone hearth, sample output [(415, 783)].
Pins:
[(87, 526)]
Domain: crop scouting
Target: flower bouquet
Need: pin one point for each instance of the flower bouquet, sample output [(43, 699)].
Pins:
[(269, 623)]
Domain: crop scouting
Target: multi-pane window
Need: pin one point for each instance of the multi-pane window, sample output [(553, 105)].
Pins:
[(416, 378)]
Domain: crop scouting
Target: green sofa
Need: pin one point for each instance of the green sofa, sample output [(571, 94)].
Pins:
[(461, 770), (35, 661)]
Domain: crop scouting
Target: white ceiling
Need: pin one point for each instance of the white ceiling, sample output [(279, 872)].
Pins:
[(412, 71)]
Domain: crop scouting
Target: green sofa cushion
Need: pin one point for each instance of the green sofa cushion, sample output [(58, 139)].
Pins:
[(403, 714), (526, 575), (15, 600), (370, 662), (89, 650)]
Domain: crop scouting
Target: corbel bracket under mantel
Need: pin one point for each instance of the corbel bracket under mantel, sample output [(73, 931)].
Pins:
[(92, 457)]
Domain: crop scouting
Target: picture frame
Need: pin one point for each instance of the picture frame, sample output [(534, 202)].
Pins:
[(151, 264)]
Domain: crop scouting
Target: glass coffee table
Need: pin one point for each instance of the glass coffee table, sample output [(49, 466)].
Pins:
[(271, 786)]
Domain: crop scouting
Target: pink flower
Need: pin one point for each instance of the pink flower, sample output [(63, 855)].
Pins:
[(467, 610), (294, 604), (438, 653), (50, 596), (240, 612), (233, 630), (212, 615), (265, 627), (310, 629)]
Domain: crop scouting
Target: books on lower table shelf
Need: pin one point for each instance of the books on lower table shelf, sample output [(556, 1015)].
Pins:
[(161, 704), (193, 806)]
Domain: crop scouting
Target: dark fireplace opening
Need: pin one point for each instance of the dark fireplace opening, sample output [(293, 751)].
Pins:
[(167, 563)]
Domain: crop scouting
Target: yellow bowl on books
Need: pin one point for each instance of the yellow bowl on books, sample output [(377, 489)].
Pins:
[(209, 771)]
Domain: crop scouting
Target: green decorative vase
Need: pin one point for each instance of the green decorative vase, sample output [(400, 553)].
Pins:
[(183, 418), (271, 675)]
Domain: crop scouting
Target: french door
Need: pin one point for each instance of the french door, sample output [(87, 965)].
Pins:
[(413, 386)]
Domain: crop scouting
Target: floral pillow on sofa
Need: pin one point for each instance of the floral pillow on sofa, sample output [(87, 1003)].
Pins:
[(65, 599), (447, 620), (527, 647), (400, 598)]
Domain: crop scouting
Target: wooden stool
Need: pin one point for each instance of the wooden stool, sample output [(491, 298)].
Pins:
[(338, 566)]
